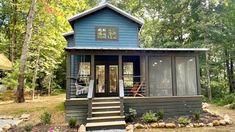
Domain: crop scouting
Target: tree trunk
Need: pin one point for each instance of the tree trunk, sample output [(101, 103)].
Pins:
[(35, 72), (232, 88), (228, 69), (14, 20), (23, 58)]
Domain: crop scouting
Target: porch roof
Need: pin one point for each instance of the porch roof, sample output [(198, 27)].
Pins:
[(137, 49)]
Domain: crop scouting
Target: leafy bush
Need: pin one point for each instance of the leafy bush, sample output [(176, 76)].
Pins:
[(28, 127), (72, 122), (196, 115), (228, 99), (46, 118), (160, 114), (130, 115), (149, 117), (183, 120)]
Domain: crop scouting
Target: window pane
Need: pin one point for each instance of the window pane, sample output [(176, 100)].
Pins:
[(160, 77), (128, 80), (186, 76), (112, 33), (101, 33)]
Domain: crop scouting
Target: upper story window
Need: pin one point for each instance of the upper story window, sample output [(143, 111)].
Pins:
[(107, 33)]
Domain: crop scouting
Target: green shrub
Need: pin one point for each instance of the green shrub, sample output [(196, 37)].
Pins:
[(149, 117), (232, 106), (196, 115), (130, 115), (160, 114), (46, 118), (28, 127), (72, 122), (183, 120), (228, 99)]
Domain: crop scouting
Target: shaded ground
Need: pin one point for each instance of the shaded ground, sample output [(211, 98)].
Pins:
[(53, 104)]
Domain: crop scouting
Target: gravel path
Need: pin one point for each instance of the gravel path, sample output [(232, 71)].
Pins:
[(4, 122)]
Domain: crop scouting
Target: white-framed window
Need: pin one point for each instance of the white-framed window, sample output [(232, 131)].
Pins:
[(106, 33)]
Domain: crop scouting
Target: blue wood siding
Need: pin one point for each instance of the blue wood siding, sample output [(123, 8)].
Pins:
[(85, 30), (70, 41)]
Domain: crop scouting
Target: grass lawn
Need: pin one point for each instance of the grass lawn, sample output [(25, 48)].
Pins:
[(52, 104)]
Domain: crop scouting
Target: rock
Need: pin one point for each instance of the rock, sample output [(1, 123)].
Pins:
[(210, 124), (161, 124), (216, 123), (130, 128), (25, 117), (181, 125), (154, 125), (222, 122), (227, 106), (170, 125), (18, 122), (205, 105), (201, 124), (6, 127), (82, 128), (1, 129), (227, 119), (191, 124), (138, 126), (196, 125)]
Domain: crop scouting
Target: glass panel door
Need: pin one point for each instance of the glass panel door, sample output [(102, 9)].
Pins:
[(113, 78), (100, 78)]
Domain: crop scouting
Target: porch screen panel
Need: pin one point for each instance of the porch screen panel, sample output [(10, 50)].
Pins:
[(186, 76), (160, 78)]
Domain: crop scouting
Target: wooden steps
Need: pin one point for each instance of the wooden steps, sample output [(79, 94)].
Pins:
[(106, 114)]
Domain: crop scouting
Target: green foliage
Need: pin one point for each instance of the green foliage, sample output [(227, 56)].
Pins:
[(160, 114), (46, 118), (28, 127), (130, 115), (227, 99), (72, 122), (183, 120), (196, 115), (149, 117)]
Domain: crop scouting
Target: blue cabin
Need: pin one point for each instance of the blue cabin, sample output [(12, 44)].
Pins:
[(108, 72)]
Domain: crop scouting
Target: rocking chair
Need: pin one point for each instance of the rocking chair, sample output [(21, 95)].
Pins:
[(136, 89)]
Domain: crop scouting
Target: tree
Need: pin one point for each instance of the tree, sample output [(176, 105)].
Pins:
[(23, 59)]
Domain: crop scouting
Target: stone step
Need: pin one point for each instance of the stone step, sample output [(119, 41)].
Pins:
[(105, 125), (105, 119), (106, 108), (105, 113)]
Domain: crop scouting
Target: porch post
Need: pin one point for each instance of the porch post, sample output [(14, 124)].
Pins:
[(198, 75), (68, 76), (93, 69), (146, 71), (120, 67), (173, 67)]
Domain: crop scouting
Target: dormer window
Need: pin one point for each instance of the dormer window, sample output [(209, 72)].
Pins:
[(107, 33)]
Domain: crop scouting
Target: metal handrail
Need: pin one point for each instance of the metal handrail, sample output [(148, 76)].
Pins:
[(90, 96), (121, 96), (90, 89)]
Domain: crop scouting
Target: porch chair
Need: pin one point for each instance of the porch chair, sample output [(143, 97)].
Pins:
[(135, 90)]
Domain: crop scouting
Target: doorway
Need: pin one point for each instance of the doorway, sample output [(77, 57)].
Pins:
[(106, 78)]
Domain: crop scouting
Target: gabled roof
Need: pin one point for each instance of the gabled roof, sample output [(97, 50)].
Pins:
[(102, 6), (68, 33)]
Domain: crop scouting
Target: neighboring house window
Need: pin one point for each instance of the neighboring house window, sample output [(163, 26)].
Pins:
[(186, 76), (160, 78), (106, 33)]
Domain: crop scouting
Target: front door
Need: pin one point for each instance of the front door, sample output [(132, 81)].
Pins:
[(106, 79)]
